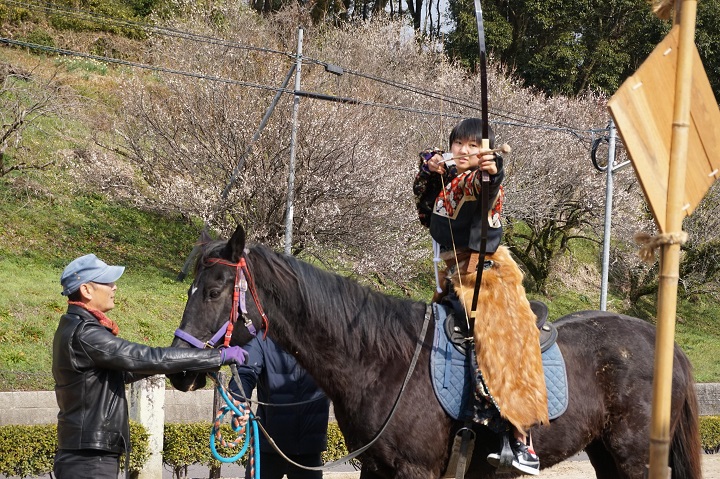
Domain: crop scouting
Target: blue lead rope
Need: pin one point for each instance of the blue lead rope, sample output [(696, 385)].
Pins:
[(237, 425)]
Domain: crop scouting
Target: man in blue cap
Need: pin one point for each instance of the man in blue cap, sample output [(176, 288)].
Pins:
[(91, 366)]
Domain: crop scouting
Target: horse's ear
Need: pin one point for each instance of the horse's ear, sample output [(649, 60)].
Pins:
[(235, 246), (205, 236)]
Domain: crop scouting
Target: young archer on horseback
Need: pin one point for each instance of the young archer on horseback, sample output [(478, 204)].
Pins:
[(510, 392)]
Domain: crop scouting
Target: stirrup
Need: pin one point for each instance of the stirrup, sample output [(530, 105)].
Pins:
[(504, 460)]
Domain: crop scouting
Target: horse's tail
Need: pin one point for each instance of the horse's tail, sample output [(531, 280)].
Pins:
[(685, 447)]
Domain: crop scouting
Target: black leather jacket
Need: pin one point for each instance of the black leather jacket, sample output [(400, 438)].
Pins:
[(91, 367)]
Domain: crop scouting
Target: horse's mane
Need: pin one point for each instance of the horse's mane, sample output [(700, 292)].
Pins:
[(209, 250), (343, 308)]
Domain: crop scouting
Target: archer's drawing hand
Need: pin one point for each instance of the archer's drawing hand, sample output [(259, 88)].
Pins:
[(436, 164)]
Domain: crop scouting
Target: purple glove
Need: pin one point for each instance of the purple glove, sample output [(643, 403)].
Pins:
[(233, 354)]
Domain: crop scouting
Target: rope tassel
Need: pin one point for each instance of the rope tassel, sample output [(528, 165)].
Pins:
[(663, 8), (648, 243)]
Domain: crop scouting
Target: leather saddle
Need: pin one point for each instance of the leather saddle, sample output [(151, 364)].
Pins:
[(457, 331)]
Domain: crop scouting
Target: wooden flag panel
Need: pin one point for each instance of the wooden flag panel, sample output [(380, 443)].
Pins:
[(705, 134), (643, 112)]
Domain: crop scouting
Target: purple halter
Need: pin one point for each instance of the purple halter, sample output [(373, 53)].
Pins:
[(238, 304)]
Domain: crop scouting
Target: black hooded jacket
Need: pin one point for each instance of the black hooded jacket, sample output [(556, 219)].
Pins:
[(91, 367), (299, 429)]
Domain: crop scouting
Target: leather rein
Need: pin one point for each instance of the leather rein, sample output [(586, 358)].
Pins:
[(357, 452)]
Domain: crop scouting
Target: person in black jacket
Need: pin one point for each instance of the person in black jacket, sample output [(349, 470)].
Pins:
[(91, 366), (299, 431)]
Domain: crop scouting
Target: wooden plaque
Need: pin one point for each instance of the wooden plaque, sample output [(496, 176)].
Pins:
[(643, 112)]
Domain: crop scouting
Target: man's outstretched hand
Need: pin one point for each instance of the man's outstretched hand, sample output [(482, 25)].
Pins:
[(233, 354)]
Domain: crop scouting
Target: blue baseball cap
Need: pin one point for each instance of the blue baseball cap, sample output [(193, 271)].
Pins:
[(86, 269)]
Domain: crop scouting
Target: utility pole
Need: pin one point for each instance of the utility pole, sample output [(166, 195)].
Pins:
[(293, 141)]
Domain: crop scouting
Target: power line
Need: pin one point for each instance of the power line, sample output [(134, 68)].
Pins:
[(205, 39), (435, 95), (201, 76), (50, 7), (167, 31), (144, 66), (321, 96), (518, 120)]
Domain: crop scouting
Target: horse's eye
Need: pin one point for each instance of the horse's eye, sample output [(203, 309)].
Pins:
[(214, 293)]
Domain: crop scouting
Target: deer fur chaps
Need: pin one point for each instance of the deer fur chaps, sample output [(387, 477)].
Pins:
[(507, 341)]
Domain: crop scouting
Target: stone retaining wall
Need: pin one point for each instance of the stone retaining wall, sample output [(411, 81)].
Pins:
[(39, 407), (708, 398)]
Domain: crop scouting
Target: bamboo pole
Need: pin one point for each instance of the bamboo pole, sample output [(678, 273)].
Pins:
[(670, 253)]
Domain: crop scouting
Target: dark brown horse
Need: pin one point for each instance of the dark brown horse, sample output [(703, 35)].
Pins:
[(358, 345)]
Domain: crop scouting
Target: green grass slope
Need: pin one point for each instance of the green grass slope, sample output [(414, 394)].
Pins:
[(38, 237)]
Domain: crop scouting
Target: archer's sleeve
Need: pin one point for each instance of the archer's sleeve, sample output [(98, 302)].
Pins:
[(495, 180), (426, 187)]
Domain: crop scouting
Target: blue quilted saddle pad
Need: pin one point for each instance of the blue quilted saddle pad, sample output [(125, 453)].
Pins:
[(451, 371), (555, 381), (453, 376)]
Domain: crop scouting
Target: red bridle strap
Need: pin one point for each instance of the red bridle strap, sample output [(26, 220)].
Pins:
[(241, 285)]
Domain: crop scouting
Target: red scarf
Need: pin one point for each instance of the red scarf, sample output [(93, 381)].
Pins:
[(100, 316)]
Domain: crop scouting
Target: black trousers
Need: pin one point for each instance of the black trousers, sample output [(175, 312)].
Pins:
[(274, 466), (86, 464)]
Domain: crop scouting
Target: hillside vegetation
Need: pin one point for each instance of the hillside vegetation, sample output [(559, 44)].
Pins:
[(130, 164)]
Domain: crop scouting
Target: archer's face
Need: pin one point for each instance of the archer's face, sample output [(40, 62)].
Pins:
[(466, 147)]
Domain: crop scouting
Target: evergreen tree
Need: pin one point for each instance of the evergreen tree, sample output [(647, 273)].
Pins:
[(569, 46)]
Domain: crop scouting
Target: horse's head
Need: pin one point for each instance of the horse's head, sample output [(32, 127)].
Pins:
[(209, 304)]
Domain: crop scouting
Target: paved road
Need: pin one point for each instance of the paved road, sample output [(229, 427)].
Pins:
[(576, 468), (233, 471), (343, 471)]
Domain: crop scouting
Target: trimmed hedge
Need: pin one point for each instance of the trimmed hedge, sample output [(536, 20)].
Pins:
[(336, 447), (710, 434), (29, 450), (140, 453), (186, 444)]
